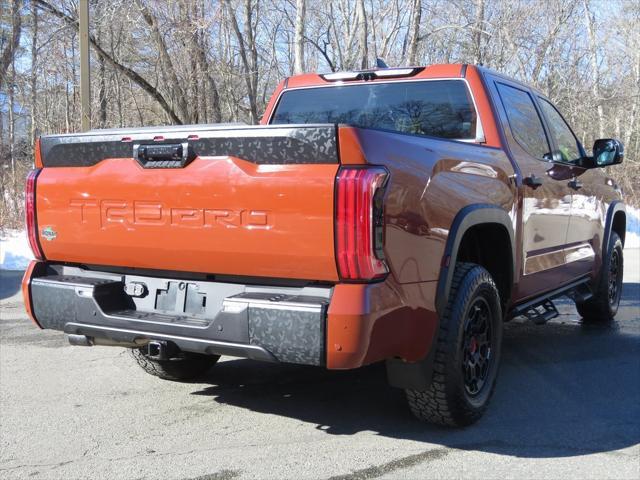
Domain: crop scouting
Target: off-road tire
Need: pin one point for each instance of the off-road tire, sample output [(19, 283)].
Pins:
[(446, 401), (601, 307), (186, 366)]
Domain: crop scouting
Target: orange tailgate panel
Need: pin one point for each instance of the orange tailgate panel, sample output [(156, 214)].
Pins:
[(218, 215)]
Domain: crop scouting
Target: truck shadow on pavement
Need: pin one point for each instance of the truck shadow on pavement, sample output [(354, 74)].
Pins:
[(565, 389)]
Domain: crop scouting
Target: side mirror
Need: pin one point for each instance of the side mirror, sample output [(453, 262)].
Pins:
[(607, 151)]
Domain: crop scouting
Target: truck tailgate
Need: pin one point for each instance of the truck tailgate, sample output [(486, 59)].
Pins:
[(239, 207)]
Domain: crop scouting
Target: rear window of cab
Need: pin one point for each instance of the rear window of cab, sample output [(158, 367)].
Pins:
[(433, 108)]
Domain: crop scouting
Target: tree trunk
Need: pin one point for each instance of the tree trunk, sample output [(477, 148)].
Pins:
[(363, 33), (102, 92), (67, 113), (630, 127), (116, 77), (189, 17), (102, 85), (477, 33), (416, 16), (177, 92), (298, 66), (595, 69), (253, 49), (33, 80), (201, 68), (216, 115), (250, 69), (75, 84), (11, 77)]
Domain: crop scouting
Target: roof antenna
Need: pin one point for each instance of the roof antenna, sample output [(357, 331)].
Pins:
[(380, 63)]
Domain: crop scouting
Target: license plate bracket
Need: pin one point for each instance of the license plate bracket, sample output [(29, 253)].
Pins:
[(181, 297)]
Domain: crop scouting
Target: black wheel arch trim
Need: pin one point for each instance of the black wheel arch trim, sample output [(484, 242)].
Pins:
[(614, 207), (418, 375), (468, 217)]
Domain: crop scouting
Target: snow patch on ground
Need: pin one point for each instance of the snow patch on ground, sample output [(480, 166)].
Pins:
[(632, 238), (15, 253)]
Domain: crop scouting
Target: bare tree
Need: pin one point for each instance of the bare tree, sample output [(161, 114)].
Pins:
[(166, 62), (9, 51), (133, 75)]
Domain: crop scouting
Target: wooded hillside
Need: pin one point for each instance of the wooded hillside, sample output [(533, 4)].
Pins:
[(196, 61)]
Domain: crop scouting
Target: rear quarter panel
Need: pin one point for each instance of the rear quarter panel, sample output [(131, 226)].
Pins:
[(431, 180)]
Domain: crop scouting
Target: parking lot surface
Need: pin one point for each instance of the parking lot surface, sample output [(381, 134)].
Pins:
[(567, 405)]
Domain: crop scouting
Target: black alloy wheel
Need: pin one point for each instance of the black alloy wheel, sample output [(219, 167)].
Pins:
[(466, 354), (615, 278), (602, 306), (477, 348)]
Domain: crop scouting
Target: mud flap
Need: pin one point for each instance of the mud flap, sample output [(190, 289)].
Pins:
[(412, 375)]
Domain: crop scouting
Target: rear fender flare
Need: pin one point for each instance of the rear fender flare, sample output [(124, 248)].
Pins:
[(418, 375), (467, 217)]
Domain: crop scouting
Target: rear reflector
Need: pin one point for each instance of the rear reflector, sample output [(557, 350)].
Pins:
[(360, 222), (37, 160), (30, 213)]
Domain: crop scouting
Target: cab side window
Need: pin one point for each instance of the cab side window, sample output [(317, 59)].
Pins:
[(566, 142), (524, 121)]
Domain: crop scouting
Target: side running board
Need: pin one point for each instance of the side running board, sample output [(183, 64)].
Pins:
[(541, 313), (542, 309)]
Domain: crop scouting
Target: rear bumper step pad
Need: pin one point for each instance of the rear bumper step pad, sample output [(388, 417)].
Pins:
[(281, 326)]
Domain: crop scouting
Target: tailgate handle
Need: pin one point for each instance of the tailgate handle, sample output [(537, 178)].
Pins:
[(164, 155)]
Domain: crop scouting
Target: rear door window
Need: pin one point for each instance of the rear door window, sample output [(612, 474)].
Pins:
[(524, 121), (434, 108)]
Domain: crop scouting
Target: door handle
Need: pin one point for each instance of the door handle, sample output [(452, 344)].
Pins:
[(532, 181), (575, 184)]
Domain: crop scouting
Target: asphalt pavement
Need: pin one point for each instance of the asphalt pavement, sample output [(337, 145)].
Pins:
[(567, 405)]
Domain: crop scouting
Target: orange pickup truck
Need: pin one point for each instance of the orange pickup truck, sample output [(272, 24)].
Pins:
[(394, 214)]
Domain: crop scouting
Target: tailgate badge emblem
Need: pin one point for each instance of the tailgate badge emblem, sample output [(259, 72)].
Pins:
[(49, 233)]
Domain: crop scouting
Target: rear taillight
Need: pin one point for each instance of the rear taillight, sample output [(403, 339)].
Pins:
[(360, 223), (30, 213)]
